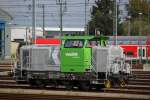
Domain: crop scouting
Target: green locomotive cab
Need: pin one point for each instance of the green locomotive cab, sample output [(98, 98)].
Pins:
[(76, 55), (76, 52)]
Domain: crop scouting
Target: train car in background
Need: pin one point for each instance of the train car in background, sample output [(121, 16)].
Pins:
[(46, 41), (135, 47), (136, 52)]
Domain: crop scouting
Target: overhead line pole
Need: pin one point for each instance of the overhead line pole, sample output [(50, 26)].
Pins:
[(33, 21), (116, 22), (43, 19), (61, 23), (59, 2), (85, 18)]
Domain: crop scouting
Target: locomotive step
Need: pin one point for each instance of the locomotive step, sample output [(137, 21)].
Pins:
[(129, 91)]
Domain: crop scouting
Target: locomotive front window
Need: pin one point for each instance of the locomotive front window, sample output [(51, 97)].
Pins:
[(74, 44)]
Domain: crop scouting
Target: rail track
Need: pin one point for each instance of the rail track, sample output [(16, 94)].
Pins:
[(136, 87), (54, 97)]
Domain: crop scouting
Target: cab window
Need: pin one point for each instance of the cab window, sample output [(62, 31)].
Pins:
[(74, 43), (92, 43)]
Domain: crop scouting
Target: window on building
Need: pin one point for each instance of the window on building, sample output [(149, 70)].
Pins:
[(143, 52), (130, 53)]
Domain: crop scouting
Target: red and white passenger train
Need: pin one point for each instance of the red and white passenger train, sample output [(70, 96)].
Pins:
[(135, 47)]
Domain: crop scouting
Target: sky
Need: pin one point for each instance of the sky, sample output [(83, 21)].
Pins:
[(73, 14)]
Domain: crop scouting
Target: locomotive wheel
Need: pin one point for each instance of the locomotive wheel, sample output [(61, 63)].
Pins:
[(122, 83), (108, 83)]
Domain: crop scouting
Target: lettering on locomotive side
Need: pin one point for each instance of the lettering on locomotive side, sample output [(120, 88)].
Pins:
[(71, 54)]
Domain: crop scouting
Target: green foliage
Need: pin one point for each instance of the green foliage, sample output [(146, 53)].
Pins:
[(138, 6), (102, 17), (137, 27), (139, 23)]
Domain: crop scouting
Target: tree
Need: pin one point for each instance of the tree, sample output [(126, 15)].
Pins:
[(138, 6), (102, 17), (139, 22), (136, 27)]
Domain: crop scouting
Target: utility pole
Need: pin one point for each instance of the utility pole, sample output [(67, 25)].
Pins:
[(129, 20), (86, 25), (148, 2), (140, 24), (140, 34), (43, 19), (61, 3), (85, 18), (26, 35), (116, 22), (33, 21), (129, 25)]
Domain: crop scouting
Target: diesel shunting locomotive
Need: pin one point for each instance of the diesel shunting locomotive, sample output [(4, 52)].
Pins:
[(80, 61)]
